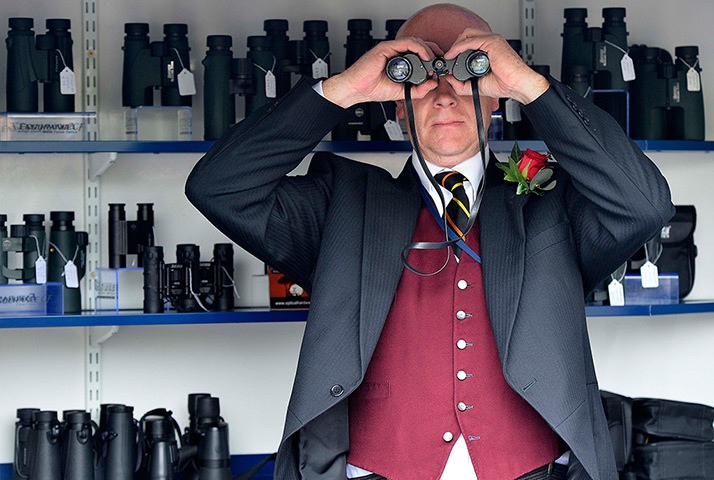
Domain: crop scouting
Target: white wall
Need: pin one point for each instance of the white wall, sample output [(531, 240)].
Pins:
[(251, 366)]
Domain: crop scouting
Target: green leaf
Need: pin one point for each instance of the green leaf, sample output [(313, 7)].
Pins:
[(548, 187), (542, 176), (504, 167), (516, 151), (510, 178), (521, 189)]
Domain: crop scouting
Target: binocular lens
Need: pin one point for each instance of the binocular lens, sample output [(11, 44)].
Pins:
[(399, 69), (478, 63)]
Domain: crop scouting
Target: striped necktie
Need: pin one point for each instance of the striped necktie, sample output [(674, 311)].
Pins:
[(458, 210)]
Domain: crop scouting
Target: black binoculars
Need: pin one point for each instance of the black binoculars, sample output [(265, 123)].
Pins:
[(154, 65), (365, 118), (593, 59), (666, 97), (409, 68), (208, 434), (66, 256), (42, 58), (129, 237), (265, 72), (47, 449), (189, 284)]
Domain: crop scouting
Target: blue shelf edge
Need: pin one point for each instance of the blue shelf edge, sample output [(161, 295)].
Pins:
[(101, 146), (276, 316), (239, 464), (140, 318)]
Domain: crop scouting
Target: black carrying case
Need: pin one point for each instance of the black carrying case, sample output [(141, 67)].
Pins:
[(618, 411), (655, 419), (678, 249), (676, 460)]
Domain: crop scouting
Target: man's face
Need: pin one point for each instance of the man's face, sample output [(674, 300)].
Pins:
[(445, 122)]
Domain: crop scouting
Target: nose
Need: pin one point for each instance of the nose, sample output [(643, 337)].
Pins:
[(444, 95)]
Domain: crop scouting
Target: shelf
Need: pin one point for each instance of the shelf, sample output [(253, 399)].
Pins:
[(135, 317), (336, 147)]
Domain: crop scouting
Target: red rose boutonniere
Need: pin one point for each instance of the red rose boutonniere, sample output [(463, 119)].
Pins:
[(529, 170)]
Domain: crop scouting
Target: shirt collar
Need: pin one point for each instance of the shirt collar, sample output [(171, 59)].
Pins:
[(471, 168)]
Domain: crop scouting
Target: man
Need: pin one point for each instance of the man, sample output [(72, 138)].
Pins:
[(484, 369)]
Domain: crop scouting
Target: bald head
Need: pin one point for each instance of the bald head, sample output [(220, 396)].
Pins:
[(441, 24)]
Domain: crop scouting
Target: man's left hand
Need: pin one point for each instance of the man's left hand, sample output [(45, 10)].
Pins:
[(510, 77)]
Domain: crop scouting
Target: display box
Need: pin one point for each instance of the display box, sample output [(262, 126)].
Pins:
[(158, 124), (45, 126), (286, 294), (21, 299), (118, 289), (667, 292)]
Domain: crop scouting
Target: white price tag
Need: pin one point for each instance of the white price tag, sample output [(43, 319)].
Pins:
[(186, 83), (67, 85), (319, 69), (270, 89), (628, 68), (694, 83), (394, 131), (71, 278), (513, 111), (40, 270), (616, 293), (650, 275)]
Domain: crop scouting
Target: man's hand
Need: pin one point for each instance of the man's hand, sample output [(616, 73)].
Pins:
[(510, 77), (365, 80)]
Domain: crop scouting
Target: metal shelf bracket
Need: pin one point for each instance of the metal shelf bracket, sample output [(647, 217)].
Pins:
[(98, 163)]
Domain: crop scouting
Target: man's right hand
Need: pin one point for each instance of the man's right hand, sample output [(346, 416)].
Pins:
[(365, 80)]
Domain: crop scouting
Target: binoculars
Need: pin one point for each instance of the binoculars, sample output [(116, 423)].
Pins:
[(154, 65), (189, 284), (42, 58), (593, 59), (265, 72), (47, 449), (666, 97), (207, 435), (66, 255), (129, 237), (409, 68), (365, 118)]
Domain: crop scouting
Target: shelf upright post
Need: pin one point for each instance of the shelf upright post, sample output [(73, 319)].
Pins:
[(528, 30), (90, 103)]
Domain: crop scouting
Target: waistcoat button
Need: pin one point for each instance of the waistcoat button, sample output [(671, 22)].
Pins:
[(461, 406), (461, 375), (462, 284), (460, 314), (461, 344), (448, 436)]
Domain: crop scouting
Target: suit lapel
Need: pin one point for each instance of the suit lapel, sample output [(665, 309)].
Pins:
[(503, 253), (391, 213)]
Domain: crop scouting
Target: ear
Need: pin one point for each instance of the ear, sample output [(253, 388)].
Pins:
[(494, 105), (401, 109)]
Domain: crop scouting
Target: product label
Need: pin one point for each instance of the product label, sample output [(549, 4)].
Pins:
[(270, 89), (186, 83), (628, 68), (616, 292), (40, 270), (513, 111), (394, 131), (694, 83), (70, 275), (650, 275), (67, 85), (320, 69)]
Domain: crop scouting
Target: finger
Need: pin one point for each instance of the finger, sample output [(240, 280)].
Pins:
[(471, 43), (407, 44), (471, 33), (420, 91), (435, 48)]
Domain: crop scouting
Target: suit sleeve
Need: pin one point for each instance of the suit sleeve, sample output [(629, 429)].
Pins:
[(616, 198), (241, 186)]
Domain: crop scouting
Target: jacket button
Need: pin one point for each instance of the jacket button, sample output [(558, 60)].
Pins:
[(337, 390), (448, 436)]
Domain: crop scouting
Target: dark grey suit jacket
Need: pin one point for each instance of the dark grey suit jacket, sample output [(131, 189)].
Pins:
[(339, 231)]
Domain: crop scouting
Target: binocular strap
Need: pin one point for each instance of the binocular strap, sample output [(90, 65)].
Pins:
[(447, 243)]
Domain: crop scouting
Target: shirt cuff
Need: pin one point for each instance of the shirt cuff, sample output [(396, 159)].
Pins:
[(318, 88)]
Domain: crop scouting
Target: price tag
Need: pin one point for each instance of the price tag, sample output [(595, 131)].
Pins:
[(186, 83), (40, 270), (694, 83), (67, 85), (616, 294), (319, 69), (270, 89), (394, 131), (628, 68), (70, 275), (650, 275), (513, 111)]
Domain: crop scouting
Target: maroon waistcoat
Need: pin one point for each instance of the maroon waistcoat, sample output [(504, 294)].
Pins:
[(436, 374)]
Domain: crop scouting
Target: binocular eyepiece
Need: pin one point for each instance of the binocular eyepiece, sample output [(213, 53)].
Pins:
[(409, 68)]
